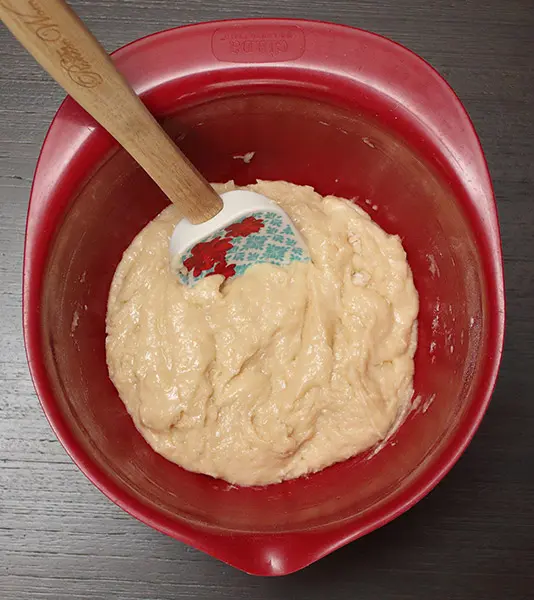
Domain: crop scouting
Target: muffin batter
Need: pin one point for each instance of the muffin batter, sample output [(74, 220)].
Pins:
[(280, 372)]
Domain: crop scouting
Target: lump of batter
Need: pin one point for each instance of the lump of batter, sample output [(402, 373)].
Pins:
[(280, 372)]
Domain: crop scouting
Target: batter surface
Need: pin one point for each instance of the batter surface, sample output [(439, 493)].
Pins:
[(275, 374)]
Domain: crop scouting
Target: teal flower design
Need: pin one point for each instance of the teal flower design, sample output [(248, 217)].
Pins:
[(237, 254), (275, 253), (255, 242)]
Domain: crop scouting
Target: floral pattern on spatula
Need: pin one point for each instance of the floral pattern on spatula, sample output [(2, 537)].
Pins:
[(263, 237)]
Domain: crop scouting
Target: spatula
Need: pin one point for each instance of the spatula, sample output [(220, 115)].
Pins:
[(218, 235)]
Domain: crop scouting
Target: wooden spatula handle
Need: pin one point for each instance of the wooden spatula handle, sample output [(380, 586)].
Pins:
[(65, 48)]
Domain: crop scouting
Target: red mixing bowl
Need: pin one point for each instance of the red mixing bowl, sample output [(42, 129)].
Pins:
[(344, 110)]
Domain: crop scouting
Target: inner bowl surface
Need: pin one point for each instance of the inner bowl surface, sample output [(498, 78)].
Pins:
[(310, 119)]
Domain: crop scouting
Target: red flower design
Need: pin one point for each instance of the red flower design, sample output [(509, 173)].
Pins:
[(246, 227), (206, 254), (223, 269)]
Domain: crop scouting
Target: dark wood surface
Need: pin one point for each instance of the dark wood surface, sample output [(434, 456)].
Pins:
[(473, 536)]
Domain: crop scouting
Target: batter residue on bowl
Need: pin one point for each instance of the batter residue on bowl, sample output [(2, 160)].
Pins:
[(280, 372)]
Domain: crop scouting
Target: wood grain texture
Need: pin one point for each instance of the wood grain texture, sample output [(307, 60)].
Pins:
[(473, 536), (82, 67)]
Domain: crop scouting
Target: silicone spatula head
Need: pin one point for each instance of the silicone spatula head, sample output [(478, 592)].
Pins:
[(249, 230)]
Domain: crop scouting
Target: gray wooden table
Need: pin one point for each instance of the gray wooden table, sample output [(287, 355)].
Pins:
[(473, 536)]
